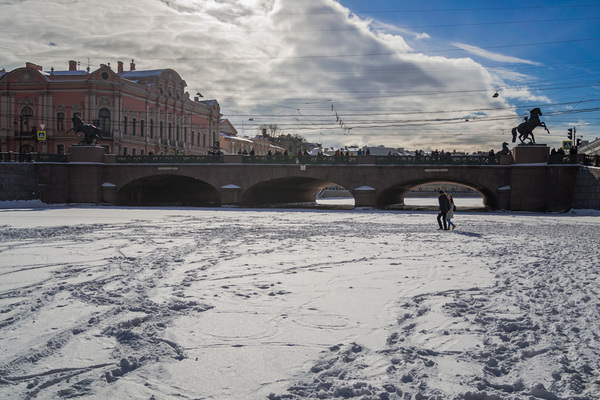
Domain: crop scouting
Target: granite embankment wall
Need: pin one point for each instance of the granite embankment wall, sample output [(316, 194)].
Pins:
[(587, 189), (18, 182)]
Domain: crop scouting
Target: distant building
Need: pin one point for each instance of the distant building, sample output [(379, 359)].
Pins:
[(139, 112), (590, 148), (230, 143)]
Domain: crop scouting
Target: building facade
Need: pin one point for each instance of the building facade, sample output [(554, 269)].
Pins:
[(139, 112)]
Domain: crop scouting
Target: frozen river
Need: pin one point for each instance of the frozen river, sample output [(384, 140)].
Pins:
[(130, 303)]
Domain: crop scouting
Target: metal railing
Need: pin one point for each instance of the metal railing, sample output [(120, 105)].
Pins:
[(553, 159), (447, 159), (32, 157), (282, 159), (574, 159), (168, 159)]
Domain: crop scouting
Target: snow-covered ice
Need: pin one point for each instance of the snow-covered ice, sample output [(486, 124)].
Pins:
[(134, 303)]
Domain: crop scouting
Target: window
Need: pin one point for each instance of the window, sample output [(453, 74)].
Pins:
[(170, 131), (133, 151), (142, 152), (133, 126), (161, 129), (125, 127), (124, 151), (60, 122), (104, 121), (77, 114), (177, 133), (26, 120), (151, 133), (142, 127)]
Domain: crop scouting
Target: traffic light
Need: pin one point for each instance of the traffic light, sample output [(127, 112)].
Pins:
[(570, 134), (578, 142)]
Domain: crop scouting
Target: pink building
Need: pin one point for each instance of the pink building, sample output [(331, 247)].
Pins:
[(139, 112)]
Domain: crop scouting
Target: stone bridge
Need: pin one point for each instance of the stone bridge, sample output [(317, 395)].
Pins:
[(526, 182)]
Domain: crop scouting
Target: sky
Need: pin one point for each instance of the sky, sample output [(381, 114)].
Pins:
[(415, 75)]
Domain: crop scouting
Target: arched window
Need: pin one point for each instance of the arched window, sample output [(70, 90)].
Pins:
[(26, 120), (151, 132), (104, 121)]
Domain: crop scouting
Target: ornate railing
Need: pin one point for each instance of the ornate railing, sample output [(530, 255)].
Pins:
[(172, 159), (281, 159), (573, 159), (32, 157), (311, 160), (447, 159)]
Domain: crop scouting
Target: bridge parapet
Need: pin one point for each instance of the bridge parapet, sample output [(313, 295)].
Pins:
[(319, 160)]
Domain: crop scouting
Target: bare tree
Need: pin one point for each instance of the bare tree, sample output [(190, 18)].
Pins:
[(270, 130)]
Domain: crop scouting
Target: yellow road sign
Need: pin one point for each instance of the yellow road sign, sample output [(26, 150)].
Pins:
[(41, 135)]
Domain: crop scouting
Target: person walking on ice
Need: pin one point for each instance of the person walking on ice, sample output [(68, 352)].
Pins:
[(450, 213), (443, 209)]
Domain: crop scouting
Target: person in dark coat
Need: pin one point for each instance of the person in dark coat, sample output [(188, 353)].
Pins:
[(443, 209)]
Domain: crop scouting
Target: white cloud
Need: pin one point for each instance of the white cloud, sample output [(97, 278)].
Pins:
[(493, 56), (277, 61)]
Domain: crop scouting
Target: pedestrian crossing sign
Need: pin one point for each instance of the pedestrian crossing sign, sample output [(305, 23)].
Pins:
[(41, 135), (567, 144)]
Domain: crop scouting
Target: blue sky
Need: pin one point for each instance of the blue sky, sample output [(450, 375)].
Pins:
[(418, 75), (552, 46)]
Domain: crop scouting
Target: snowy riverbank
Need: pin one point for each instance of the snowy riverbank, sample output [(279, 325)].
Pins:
[(101, 302)]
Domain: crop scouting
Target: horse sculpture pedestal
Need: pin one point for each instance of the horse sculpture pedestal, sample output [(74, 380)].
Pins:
[(530, 153), (93, 154)]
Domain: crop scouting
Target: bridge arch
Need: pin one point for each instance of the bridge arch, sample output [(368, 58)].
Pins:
[(168, 190), (395, 194), (295, 189)]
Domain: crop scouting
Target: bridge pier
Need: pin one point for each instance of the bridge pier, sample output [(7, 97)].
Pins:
[(231, 195), (365, 196)]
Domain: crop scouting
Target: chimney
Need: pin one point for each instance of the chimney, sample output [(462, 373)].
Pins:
[(132, 66), (72, 65), (119, 66), (30, 65), (196, 98)]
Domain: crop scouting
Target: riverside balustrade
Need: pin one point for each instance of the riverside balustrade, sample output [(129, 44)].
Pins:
[(32, 157), (447, 159)]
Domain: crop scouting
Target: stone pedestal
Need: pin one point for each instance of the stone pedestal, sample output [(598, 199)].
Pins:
[(531, 153), (94, 154)]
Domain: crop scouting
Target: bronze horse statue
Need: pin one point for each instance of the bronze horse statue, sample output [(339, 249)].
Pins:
[(91, 133), (525, 130), (505, 150)]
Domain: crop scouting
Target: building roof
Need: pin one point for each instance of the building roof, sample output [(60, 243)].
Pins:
[(65, 73), (232, 137), (591, 148), (131, 75)]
